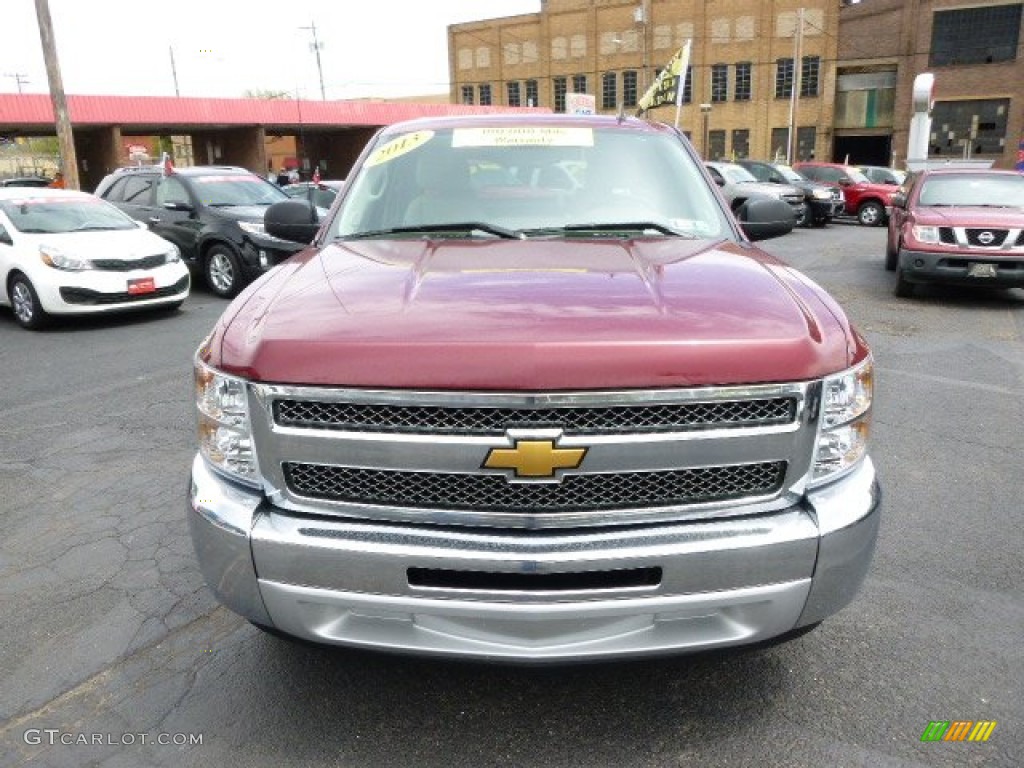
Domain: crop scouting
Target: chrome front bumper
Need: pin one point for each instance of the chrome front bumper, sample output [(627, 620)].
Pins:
[(721, 582)]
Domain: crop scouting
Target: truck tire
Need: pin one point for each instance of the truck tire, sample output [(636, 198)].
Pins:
[(871, 213), (805, 218)]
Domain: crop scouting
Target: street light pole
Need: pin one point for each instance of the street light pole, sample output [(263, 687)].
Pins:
[(705, 112), (316, 46)]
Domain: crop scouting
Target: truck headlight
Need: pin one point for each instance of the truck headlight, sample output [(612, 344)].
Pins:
[(925, 234), (845, 421), (225, 437), (253, 227), (821, 194)]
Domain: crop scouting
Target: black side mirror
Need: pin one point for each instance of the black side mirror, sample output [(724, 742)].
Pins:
[(898, 200), (5, 238), (294, 220), (765, 217)]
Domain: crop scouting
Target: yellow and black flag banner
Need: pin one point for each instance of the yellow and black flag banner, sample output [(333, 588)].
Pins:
[(668, 86)]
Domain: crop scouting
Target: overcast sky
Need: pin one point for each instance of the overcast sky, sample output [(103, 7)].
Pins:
[(224, 47)]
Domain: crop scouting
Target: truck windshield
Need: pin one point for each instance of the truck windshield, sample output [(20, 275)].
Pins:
[(533, 180)]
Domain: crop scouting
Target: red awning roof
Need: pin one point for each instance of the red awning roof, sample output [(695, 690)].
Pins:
[(36, 110)]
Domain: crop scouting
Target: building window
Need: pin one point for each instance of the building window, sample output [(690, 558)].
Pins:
[(485, 94), (688, 87), (716, 144), (609, 90), (559, 84), (980, 35), (467, 94), (968, 128), (780, 137), (719, 82), (743, 79), (531, 94), (810, 67), (629, 94), (783, 78), (579, 83), (805, 138), (740, 143), (514, 94)]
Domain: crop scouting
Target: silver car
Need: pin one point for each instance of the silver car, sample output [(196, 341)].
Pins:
[(738, 185)]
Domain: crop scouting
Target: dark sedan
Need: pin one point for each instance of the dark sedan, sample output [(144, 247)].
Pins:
[(822, 201)]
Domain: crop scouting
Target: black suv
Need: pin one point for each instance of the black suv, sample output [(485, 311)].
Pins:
[(822, 201), (214, 214)]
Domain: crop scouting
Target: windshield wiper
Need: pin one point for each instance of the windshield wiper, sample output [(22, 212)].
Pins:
[(624, 226), (462, 226), (97, 228)]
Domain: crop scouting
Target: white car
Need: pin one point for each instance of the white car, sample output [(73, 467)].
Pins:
[(64, 252)]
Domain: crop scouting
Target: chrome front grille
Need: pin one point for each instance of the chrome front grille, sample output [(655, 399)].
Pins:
[(428, 456), (668, 417), (484, 493)]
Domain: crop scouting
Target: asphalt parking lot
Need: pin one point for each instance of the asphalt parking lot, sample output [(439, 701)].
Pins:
[(113, 653)]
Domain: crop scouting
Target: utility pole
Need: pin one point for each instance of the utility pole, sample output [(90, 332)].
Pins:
[(60, 107), (19, 78), (316, 46), (174, 70)]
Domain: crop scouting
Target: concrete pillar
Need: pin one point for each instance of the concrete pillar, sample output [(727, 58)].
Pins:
[(99, 152)]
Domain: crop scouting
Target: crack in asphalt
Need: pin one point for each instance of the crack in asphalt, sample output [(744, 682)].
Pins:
[(220, 621)]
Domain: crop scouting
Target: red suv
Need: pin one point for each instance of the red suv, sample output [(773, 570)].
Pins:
[(867, 201), (962, 226)]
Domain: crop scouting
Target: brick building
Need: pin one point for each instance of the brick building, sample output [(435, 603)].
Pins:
[(852, 66)]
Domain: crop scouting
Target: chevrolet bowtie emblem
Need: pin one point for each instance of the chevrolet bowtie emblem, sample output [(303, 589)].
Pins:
[(534, 458)]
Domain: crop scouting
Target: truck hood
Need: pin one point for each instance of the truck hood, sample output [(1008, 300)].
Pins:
[(533, 315), (242, 212), (769, 189)]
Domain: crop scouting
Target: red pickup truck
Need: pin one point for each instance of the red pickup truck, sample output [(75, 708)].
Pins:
[(532, 394), (868, 201)]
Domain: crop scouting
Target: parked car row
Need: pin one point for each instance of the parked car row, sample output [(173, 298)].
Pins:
[(822, 202), (817, 191)]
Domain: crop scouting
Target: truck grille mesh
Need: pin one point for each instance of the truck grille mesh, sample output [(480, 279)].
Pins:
[(433, 490), (363, 417)]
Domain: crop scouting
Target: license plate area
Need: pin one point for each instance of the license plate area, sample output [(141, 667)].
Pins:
[(981, 270), (141, 285)]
